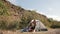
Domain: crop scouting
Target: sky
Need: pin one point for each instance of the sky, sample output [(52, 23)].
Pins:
[(50, 8)]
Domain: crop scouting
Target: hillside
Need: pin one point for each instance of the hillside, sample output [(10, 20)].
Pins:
[(16, 17)]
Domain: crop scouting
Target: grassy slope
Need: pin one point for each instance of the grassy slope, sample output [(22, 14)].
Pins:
[(11, 14)]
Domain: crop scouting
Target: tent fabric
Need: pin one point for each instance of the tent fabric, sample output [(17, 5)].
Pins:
[(39, 26)]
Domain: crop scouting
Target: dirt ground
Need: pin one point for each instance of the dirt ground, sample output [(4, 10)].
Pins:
[(50, 31)]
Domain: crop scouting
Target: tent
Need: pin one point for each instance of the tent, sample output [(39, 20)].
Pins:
[(39, 26)]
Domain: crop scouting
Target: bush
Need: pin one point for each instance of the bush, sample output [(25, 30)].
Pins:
[(3, 9), (2, 24), (24, 22), (12, 25), (8, 26), (55, 26)]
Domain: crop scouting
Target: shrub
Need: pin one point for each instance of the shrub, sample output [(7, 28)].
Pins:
[(55, 26), (12, 25), (2, 24)]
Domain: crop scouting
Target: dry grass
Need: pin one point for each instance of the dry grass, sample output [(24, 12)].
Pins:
[(51, 31)]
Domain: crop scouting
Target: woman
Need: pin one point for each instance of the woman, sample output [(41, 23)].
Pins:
[(32, 26)]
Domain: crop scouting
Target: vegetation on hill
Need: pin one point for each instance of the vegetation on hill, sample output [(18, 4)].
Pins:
[(14, 17)]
